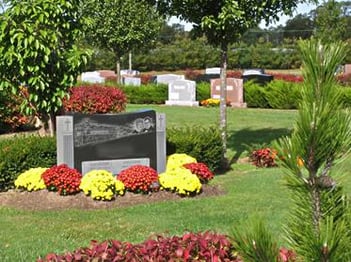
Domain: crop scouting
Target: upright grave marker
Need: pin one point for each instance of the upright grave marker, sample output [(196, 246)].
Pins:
[(235, 91), (112, 141), (182, 93), (168, 78)]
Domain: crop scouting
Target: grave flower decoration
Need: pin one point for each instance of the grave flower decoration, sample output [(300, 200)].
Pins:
[(178, 160), (139, 178), (31, 179), (210, 102), (63, 179), (101, 185), (181, 181), (201, 170)]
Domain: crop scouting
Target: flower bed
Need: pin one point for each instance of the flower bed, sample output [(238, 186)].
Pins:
[(183, 176)]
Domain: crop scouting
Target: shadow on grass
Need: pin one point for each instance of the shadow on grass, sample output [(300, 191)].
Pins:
[(240, 141)]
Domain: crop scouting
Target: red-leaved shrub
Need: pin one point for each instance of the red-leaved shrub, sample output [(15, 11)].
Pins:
[(264, 157), (205, 246), (146, 79), (95, 99), (63, 179), (139, 178), (201, 170)]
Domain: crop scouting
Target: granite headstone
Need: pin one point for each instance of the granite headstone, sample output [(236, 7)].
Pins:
[(235, 91), (111, 141), (168, 78), (182, 93)]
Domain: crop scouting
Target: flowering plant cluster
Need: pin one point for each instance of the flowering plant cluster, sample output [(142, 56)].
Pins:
[(264, 157), (210, 102), (201, 170), (101, 185), (181, 181), (63, 179), (94, 99), (31, 179), (139, 178), (178, 160)]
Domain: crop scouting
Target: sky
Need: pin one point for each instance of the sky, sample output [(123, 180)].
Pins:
[(301, 9)]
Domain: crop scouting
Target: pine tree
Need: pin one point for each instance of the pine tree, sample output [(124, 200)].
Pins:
[(319, 224)]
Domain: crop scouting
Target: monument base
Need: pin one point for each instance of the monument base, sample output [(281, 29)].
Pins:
[(238, 105), (182, 103)]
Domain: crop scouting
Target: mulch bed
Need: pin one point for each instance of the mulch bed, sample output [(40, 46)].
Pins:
[(45, 200)]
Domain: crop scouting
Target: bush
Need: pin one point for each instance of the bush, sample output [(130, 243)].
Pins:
[(255, 95), (18, 154), (95, 99), (31, 180), (203, 91), (202, 143), (345, 98), (101, 185), (63, 179), (190, 247), (139, 178), (283, 95), (264, 157), (146, 94)]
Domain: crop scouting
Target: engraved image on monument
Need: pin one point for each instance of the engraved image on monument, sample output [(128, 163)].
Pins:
[(111, 141)]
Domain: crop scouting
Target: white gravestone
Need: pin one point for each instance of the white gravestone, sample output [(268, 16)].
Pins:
[(182, 93), (213, 71), (92, 77), (168, 78), (131, 81)]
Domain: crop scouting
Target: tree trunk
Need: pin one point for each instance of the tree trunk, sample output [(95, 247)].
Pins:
[(118, 70), (47, 124), (130, 60), (223, 99)]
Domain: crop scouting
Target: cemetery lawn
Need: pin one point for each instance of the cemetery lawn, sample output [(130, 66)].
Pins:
[(250, 193)]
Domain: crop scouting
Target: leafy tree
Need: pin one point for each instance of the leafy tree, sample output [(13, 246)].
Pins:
[(301, 26), (318, 228), (331, 25), (224, 22), (121, 26), (39, 57)]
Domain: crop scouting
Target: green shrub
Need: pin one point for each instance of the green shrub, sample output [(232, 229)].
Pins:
[(19, 154), (203, 91), (202, 143), (283, 95), (345, 96), (146, 94), (255, 95)]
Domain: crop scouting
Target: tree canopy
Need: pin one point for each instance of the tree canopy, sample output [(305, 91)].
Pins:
[(224, 22), (122, 25), (39, 55)]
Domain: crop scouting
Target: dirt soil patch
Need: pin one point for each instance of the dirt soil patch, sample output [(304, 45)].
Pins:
[(45, 200)]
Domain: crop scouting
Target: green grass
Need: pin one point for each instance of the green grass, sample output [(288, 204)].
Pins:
[(250, 192)]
